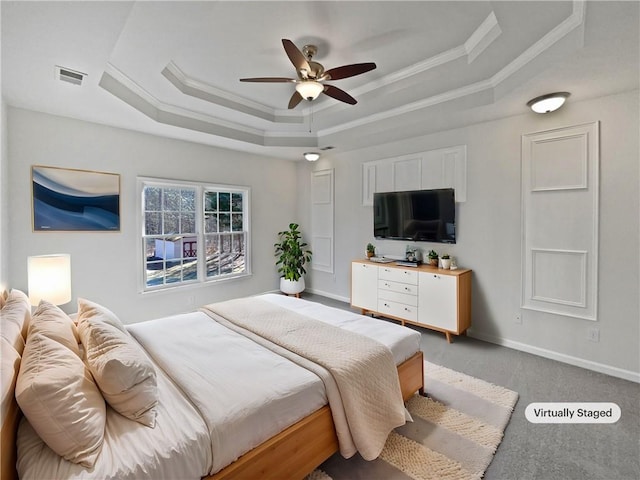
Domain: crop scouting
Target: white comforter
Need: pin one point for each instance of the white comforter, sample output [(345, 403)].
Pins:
[(245, 393), (241, 393)]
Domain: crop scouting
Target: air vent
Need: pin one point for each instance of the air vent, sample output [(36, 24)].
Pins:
[(69, 76), (328, 147)]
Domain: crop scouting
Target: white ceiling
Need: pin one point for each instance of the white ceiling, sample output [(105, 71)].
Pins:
[(172, 68)]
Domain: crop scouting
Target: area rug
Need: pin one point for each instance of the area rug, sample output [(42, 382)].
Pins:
[(455, 432)]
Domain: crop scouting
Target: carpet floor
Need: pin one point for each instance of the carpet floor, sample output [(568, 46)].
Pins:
[(455, 432)]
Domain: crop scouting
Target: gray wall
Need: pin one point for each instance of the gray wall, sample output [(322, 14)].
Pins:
[(489, 232), (104, 264), (4, 200)]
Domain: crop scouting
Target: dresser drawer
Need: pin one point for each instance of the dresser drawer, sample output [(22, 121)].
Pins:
[(398, 287), (396, 309), (398, 275), (398, 297)]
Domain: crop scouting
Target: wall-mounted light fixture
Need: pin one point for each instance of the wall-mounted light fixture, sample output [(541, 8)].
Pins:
[(309, 89), (49, 278), (548, 103), (311, 156)]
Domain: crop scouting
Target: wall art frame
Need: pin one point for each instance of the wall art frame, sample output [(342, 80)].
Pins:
[(68, 199)]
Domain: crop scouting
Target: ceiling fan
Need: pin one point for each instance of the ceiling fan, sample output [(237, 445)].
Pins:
[(311, 75)]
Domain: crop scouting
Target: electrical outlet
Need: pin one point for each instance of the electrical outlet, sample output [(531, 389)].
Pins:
[(593, 334), (191, 300), (517, 318)]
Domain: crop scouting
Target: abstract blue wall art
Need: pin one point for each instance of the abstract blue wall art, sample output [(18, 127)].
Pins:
[(75, 200)]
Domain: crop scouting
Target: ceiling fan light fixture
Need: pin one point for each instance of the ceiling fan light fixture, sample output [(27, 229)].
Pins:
[(548, 103), (311, 156), (309, 89)]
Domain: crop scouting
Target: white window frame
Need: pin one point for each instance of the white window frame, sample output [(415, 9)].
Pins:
[(201, 188)]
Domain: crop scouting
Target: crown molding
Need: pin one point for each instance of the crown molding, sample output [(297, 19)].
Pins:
[(121, 86), (207, 92), (117, 83), (573, 21), (484, 35)]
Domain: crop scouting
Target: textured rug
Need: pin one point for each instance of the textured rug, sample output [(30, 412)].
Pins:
[(455, 432)]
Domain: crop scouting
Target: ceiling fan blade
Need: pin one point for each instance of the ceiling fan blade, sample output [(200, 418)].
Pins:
[(338, 94), (295, 55), (268, 79), (295, 99), (347, 71)]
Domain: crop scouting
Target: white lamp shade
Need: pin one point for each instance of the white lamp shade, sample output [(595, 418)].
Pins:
[(548, 103), (309, 89), (49, 279), (311, 156)]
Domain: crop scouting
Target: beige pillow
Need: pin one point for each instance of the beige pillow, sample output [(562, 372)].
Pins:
[(58, 396), (53, 323), (125, 375), (99, 313), (3, 298), (15, 318), (9, 369)]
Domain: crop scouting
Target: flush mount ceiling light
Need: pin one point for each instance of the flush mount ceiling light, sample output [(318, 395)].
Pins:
[(309, 90), (311, 156), (548, 103)]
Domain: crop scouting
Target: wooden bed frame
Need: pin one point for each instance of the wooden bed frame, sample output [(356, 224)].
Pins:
[(293, 453)]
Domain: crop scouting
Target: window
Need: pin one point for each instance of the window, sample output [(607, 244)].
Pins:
[(192, 232)]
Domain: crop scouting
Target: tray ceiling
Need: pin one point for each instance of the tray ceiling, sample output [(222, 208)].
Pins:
[(172, 68)]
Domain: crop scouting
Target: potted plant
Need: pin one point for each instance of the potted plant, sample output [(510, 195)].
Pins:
[(433, 258), (292, 255), (446, 261), (371, 250)]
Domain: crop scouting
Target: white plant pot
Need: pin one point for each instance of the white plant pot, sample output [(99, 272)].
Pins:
[(291, 287), (446, 263)]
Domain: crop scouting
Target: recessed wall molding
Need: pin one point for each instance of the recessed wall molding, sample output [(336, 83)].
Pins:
[(560, 221), (322, 228), (559, 276), (442, 168)]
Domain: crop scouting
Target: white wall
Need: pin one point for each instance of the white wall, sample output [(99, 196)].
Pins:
[(489, 232), (104, 264), (4, 199)]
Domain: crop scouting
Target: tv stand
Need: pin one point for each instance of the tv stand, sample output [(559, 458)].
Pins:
[(423, 295)]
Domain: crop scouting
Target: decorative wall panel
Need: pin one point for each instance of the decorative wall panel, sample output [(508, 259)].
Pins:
[(560, 221), (443, 168), (322, 225)]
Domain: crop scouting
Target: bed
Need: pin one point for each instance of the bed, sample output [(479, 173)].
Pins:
[(272, 415)]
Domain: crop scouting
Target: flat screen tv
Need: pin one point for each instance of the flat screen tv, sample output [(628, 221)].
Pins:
[(417, 215)]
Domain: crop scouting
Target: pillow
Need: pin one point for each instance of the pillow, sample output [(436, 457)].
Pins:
[(125, 375), (53, 323), (58, 396), (3, 298), (93, 310), (9, 369), (15, 319)]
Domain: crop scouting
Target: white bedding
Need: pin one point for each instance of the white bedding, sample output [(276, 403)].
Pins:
[(245, 393), (178, 447), (219, 392)]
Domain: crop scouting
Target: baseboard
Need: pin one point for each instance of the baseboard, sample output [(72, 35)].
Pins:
[(560, 357), (329, 295)]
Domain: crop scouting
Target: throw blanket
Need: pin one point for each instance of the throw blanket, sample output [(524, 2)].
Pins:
[(364, 371)]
